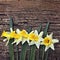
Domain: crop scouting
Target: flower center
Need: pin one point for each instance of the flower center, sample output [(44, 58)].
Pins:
[(12, 34), (33, 37), (24, 34), (5, 34), (47, 41), (17, 36)]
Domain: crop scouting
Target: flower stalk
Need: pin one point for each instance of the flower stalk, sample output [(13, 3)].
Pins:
[(32, 52), (23, 51)]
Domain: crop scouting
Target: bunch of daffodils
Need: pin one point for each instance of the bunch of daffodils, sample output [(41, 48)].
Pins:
[(32, 38)]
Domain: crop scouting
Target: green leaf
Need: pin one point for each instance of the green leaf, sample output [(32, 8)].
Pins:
[(11, 50), (46, 29), (29, 29), (11, 22), (32, 52), (44, 55), (17, 52), (23, 51), (39, 28), (24, 48)]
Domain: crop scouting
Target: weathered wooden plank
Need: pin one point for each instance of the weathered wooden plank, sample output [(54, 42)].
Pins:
[(32, 13)]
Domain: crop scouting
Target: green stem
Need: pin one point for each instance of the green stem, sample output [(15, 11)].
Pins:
[(39, 28), (46, 29), (46, 55), (17, 52), (23, 51), (32, 53), (11, 50), (43, 52)]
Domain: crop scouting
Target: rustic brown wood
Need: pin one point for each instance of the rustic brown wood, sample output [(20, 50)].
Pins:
[(30, 13)]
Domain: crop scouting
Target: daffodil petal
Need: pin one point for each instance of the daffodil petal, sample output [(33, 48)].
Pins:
[(41, 33), (46, 48), (4, 40), (7, 42), (23, 41), (14, 42), (18, 42), (40, 39), (28, 41), (51, 35), (37, 45), (31, 32), (31, 43), (41, 43), (52, 46), (18, 31), (55, 40), (36, 32), (11, 29)]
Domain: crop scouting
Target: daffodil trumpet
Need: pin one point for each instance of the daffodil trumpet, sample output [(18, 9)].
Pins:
[(35, 38), (8, 35)]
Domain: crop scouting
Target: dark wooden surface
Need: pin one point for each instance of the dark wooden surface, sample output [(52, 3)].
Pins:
[(30, 13)]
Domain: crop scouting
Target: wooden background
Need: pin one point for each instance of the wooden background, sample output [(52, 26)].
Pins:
[(30, 13)]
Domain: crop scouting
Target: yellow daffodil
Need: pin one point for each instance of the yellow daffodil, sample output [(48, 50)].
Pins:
[(35, 38), (18, 37), (48, 41), (12, 34), (21, 36), (8, 35), (5, 34), (24, 35)]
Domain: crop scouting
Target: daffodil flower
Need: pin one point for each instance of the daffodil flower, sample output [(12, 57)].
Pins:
[(5, 34), (24, 35), (8, 35), (18, 37), (35, 38), (21, 36), (48, 41)]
